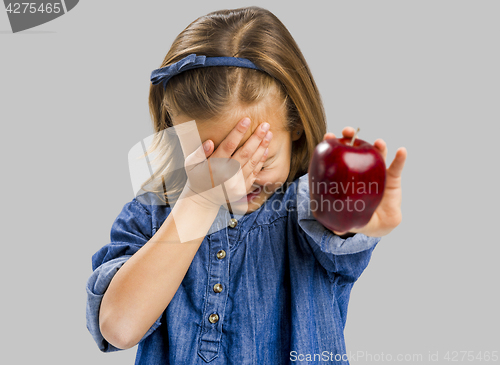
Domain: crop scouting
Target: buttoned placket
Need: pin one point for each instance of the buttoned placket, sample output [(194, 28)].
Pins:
[(217, 285)]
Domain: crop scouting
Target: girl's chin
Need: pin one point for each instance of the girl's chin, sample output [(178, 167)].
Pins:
[(250, 198), (250, 205)]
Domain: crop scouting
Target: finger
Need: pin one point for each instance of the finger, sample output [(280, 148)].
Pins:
[(259, 165), (328, 136), (339, 233), (396, 169), (348, 132), (232, 140), (245, 152), (353, 230), (254, 161), (250, 179), (381, 146), (208, 146)]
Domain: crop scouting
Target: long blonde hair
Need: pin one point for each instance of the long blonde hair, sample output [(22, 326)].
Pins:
[(256, 34)]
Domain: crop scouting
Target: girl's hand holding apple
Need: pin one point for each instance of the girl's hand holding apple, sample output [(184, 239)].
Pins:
[(387, 215)]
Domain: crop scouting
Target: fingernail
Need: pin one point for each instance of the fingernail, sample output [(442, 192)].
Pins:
[(265, 127), (206, 146), (245, 122), (266, 151), (268, 136)]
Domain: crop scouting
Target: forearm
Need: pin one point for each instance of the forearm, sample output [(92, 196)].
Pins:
[(144, 286)]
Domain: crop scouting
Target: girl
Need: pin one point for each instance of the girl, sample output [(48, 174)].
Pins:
[(262, 282)]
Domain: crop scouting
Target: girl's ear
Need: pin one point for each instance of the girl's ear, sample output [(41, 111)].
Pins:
[(297, 133)]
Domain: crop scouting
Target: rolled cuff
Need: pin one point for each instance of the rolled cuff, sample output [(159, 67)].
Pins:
[(96, 287)]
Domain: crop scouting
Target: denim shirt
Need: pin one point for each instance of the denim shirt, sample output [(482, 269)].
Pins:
[(286, 282)]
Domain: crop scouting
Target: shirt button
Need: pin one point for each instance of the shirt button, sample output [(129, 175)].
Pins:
[(213, 318), (217, 288), (233, 222), (221, 254)]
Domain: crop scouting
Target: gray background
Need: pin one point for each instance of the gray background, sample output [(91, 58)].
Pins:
[(419, 74)]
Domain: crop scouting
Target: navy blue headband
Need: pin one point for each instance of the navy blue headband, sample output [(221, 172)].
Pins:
[(193, 61)]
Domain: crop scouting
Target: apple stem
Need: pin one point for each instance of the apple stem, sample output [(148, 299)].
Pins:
[(353, 138)]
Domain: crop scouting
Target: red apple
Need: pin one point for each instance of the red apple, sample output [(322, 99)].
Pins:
[(346, 183)]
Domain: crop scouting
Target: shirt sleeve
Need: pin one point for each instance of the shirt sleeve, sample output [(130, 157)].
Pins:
[(345, 257), (130, 231)]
